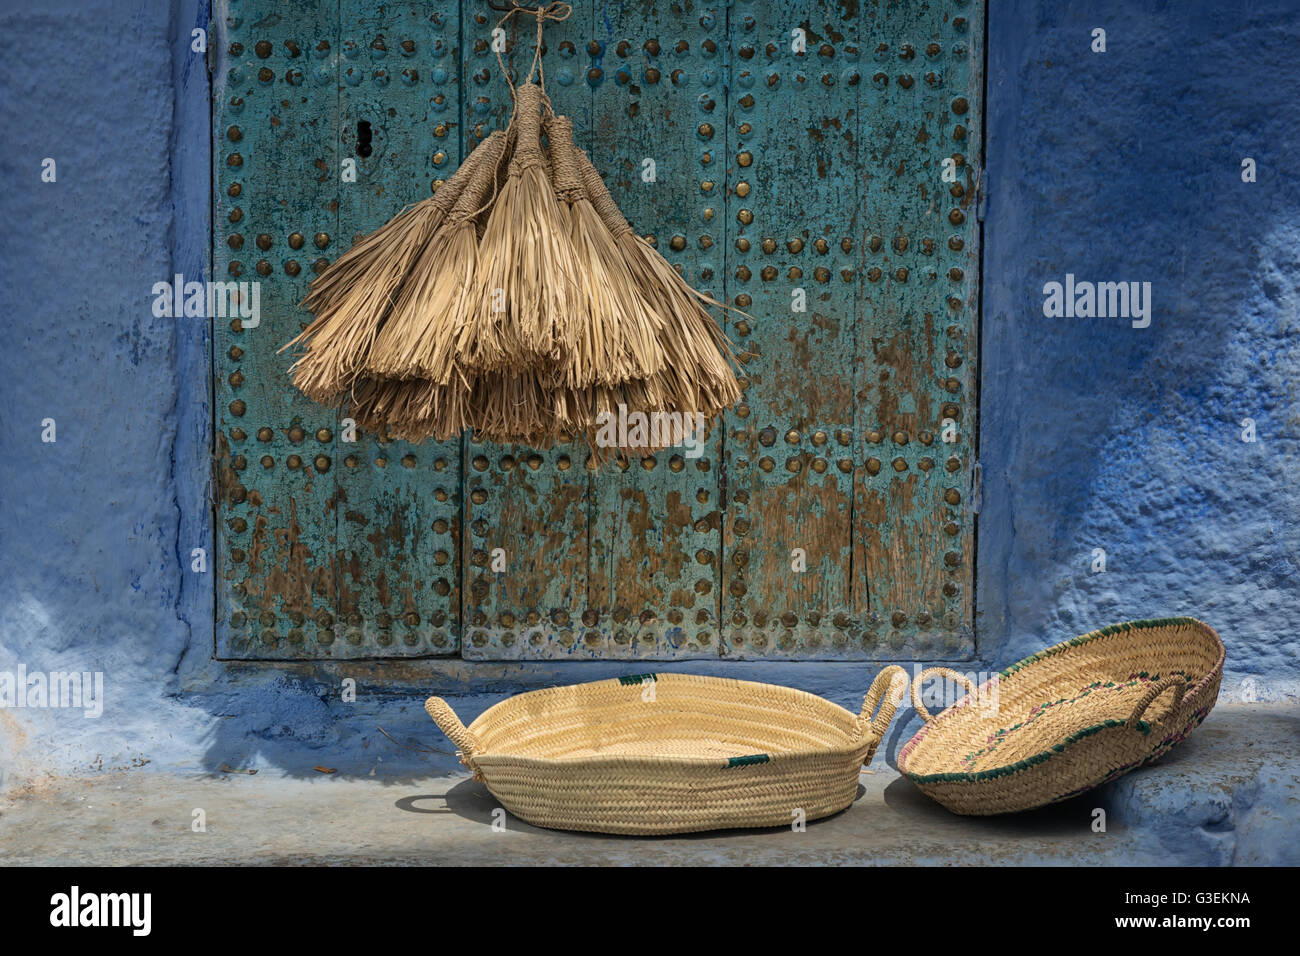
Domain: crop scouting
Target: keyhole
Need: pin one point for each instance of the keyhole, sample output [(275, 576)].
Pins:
[(363, 139)]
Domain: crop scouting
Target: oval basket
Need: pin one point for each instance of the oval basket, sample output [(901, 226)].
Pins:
[(1067, 719), (672, 753)]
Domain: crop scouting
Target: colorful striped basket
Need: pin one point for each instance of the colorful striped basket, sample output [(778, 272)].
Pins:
[(672, 753), (1067, 719)]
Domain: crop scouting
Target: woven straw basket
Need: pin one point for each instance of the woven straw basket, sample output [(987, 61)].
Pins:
[(672, 753), (1067, 719)]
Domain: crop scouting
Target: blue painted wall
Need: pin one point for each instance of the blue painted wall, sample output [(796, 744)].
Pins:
[(1127, 166), (1116, 166)]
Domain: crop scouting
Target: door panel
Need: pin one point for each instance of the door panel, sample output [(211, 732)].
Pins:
[(798, 155)]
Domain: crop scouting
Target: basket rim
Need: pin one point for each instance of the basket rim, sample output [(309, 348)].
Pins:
[(1061, 746), (863, 744)]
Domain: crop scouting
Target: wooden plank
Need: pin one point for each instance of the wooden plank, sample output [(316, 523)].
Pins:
[(921, 104), (398, 504), (275, 152), (793, 187), (526, 511), (655, 532)]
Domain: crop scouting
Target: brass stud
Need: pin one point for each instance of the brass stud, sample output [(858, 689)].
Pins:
[(234, 189), (900, 464), (236, 242), (322, 463), (238, 407), (321, 239), (873, 466), (706, 130), (900, 438), (262, 48), (677, 243), (875, 436), (952, 496), (742, 244), (819, 438), (265, 434), (795, 245), (263, 241), (745, 159), (953, 464), (925, 464), (845, 465), (324, 435), (296, 434), (268, 462), (236, 379), (953, 360), (235, 352), (843, 436), (745, 216), (292, 267), (956, 217), (742, 190), (238, 434), (792, 437), (296, 240), (768, 245), (766, 464), (293, 461), (952, 559), (952, 528)]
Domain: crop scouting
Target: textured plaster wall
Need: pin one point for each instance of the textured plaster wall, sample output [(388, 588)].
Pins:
[(1127, 166), (1116, 166)]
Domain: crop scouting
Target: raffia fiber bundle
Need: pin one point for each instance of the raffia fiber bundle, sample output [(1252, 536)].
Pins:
[(353, 297), (516, 302)]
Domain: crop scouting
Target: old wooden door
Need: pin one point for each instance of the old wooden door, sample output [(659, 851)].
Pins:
[(814, 164)]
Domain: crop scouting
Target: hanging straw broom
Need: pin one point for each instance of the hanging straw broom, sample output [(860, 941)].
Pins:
[(525, 310), (698, 374), (416, 338), (351, 298), (618, 338)]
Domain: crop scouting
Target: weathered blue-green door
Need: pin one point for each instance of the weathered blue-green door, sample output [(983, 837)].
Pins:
[(816, 165)]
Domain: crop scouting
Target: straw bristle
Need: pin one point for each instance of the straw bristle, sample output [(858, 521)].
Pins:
[(619, 332), (351, 299), (416, 340), (523, 312)]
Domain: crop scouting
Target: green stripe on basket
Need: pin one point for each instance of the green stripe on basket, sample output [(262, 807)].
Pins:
[(746, 761), (637, 678)]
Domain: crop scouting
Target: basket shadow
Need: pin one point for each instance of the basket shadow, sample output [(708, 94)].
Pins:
[(473, 802), (1069, 818)]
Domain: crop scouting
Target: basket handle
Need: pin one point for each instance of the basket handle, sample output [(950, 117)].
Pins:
[(925, 675), (466, 743), (1157, 689), (886, 692)]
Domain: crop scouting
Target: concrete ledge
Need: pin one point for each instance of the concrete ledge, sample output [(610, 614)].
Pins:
[(1229, 795)]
